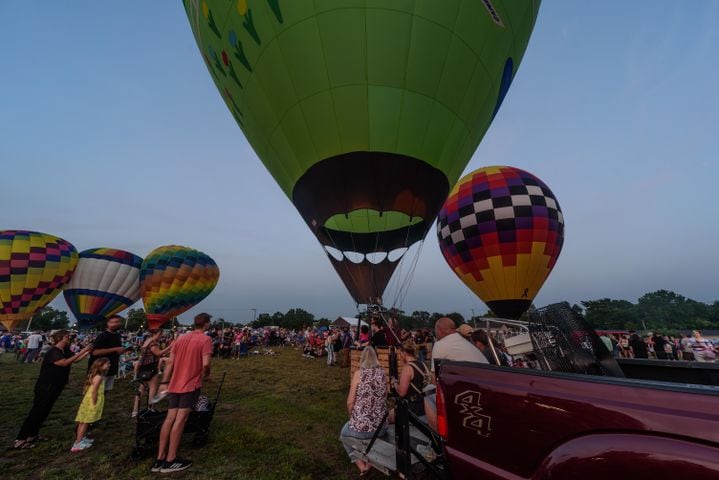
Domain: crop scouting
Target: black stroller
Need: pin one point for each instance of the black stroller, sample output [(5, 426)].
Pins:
[(149, 423)]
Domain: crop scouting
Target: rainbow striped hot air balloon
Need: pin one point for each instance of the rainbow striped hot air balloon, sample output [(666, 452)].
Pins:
[(33, 269), (501, 230), (106, 281), (174, 279)]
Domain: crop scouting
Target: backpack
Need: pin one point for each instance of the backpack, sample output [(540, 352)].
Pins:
[(426, 376)]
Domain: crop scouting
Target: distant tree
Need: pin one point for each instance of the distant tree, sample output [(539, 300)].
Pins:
[(323, 322), (611, 314), (278, 318), (297, 318), (263, 320), (136, 319), (418, 319), (48, 318), (457, 317)]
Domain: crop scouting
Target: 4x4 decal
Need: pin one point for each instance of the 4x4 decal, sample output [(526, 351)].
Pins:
[(470, 408)]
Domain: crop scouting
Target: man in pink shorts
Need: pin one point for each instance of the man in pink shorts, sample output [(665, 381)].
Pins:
[(189, 364)]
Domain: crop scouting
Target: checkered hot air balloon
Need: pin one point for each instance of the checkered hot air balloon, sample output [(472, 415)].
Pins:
[(501, 231), (33, 269), (174, 279), (106, 281), (365, 113)]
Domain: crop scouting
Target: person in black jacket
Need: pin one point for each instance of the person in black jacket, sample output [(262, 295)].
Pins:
[(54, 375)]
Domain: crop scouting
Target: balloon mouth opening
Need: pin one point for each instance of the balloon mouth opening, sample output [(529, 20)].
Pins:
[(369, 221), (156, 320)]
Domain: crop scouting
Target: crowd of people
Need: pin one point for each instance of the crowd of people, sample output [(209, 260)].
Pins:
[(169, 366), (173, 365), (657, 346), (367, 398)]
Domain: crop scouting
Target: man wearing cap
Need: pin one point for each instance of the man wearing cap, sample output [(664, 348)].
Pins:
[(465, 330)]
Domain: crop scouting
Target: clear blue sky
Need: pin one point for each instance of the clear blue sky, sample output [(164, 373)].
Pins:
[(112, 134)]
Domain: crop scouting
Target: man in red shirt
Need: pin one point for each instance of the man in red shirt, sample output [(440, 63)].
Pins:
[(189, 364)]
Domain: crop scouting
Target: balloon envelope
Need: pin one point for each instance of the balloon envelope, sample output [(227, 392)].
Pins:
[(33, 269), (365, 113), (106, 281), (501, 230), (174, 279)]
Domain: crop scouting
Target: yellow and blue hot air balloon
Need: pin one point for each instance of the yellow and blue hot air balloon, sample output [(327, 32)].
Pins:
[(33, 269), (364, 112)]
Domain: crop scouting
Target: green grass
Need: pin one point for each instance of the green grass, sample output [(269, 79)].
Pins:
[(278, 418)]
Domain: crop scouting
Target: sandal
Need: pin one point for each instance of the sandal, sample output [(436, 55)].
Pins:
[(22, 445)]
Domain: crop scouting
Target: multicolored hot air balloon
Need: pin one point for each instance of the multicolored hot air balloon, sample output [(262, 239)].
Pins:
[(106, 281), (365, 113), (174, 279), (33, 269), (501, 231)]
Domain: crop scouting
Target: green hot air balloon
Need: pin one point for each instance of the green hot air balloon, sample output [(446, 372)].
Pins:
[(365, 111)]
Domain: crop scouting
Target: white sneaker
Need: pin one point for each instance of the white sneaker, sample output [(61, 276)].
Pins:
[(159, 397), (80, 446)]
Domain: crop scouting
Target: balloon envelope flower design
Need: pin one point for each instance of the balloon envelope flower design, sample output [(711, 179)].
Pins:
[(174, 279)]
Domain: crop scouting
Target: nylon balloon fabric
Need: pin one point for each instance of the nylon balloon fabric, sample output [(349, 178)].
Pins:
[(33, 269), (365, 113), (501, 231), (106, 281), (174, 279)]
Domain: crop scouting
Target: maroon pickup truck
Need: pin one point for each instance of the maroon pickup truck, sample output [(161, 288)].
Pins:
[(577, 414), (514, 423)]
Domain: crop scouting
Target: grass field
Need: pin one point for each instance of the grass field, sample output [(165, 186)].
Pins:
[(279, 417)]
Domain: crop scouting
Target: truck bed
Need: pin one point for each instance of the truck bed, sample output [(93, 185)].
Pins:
[(520, 423)]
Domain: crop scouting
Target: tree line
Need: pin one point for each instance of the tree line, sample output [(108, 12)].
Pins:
[(662, 310)]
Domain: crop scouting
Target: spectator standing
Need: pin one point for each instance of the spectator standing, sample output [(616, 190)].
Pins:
[(659, 343), (702, 348), (54, 375), (108, 344), (330, 347), (33, 347), (5, 342), (638, 346), (379, 338), (189, 364), (93, 402), (346, 344), (412, 379)]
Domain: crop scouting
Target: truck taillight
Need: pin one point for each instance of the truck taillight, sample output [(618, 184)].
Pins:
[(442, 427)]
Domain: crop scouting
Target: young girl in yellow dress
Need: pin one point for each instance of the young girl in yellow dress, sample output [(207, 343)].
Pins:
[(93, 401)]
